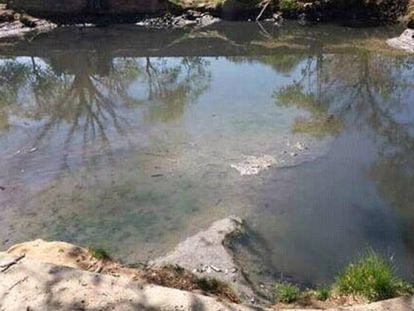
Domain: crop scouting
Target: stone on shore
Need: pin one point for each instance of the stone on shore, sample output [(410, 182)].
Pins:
[(404, 42), (205, 255), (16, 25)]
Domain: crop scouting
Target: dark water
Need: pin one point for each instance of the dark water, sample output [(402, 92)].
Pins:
[(124, 138)]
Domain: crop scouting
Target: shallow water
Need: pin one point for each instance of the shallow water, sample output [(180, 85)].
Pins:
[(123, 138)]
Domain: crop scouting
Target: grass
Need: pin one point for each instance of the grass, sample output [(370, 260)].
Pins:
[(322, 293), (287, 292), (373, 277), (100, 253)]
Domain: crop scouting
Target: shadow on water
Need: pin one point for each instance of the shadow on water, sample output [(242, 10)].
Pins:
[(129, 134)]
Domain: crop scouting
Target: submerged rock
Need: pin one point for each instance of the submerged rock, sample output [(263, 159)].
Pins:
[(253, 165), (404, 42)]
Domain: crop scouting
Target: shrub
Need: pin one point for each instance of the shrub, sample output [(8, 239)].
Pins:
[(372, 277), (286, 292)]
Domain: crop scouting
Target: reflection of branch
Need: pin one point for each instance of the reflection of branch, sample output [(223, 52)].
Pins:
[(263, 9), (263, 30)]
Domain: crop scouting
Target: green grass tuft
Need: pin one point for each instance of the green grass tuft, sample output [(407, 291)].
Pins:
[(322, 293), (287, 293), (100, 253), (372, 277)]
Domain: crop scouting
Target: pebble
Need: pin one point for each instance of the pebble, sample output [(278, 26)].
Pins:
[(300, 146)]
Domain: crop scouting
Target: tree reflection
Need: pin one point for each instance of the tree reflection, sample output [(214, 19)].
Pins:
[(174, 86), (90, 96), (365, 91), (335, 89), (12, 76), (82, 97)]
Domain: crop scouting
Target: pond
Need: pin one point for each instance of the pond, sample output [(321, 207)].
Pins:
[(127, 139)]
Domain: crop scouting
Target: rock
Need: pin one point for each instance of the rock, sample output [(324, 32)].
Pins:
[(207, 247), (193, 15), (277, 17), (207, 20), (404, 42), (189, 19), (215, 268), (300, 146), (29, 26), (253, 165)]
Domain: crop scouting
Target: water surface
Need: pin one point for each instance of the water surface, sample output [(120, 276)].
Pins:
[(123, 138)]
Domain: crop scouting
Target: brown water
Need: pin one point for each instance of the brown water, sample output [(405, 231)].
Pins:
[(123, 138)]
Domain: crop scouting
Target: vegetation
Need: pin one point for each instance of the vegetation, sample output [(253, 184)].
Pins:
[(177, 277), (372, 277), (210, 285), (217, 287), (322, 293), (236, 9), (289, 5), (100, 253), (287, 292)]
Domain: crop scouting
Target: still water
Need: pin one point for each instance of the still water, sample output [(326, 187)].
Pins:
[(124, 138)]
